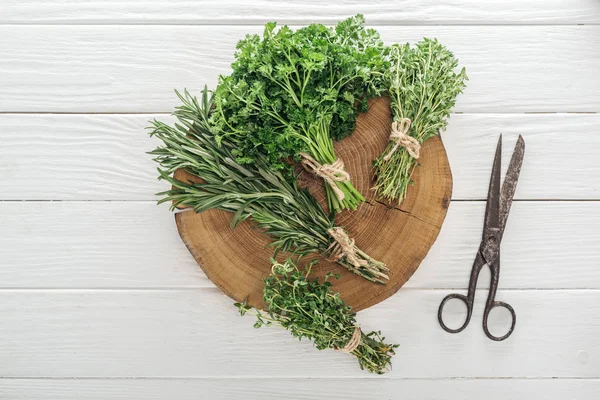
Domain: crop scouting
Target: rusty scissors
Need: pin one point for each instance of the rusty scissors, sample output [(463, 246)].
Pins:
[(498, 205)]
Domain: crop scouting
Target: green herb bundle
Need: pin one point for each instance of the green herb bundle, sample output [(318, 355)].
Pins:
[(287, 213), (423, 85), (291, 93), (310, 309)]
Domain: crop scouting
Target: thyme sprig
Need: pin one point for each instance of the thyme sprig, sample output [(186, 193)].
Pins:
[(423, 85), (310, 309), (288, 213)]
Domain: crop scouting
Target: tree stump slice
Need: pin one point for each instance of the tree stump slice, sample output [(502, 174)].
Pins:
[(237, 260)]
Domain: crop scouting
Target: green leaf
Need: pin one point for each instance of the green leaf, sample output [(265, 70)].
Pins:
[(308, 309)]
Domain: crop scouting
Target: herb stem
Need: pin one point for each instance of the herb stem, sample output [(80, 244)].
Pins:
[(423, 86), (310, 309)]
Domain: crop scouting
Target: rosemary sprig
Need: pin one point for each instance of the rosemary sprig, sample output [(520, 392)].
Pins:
[(423, 86), (287, 213), (310, 309)]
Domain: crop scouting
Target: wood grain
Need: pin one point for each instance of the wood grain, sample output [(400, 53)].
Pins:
[(198, 333), (297, 388), (237, 261), (103, 156), (233, 12), (127, 69)]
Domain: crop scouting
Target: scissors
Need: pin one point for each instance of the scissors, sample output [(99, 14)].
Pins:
[(498, 205)]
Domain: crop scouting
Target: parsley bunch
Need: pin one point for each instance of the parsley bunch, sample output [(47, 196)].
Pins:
[(423, 85), (295, 92), (287, 213), (310, 309)]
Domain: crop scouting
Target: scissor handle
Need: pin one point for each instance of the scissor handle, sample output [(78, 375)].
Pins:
[(486, 314), (462, 298)]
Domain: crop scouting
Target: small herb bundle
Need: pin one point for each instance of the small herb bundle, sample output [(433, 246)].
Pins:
[(310, 309), (423, 86), (291, 93), (287, 213)]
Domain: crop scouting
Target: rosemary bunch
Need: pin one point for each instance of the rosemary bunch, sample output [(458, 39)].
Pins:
[(423, 86), (310, 309), (287, 213)]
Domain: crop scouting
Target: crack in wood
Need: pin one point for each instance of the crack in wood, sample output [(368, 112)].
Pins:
[(410, 214)]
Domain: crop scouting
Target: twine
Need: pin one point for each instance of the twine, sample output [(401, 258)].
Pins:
[(343, 246), (401, 138), (354, 341), (331, 173)]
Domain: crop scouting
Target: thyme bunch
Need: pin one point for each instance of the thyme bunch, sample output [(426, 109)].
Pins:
[(423, 85), (287, 213), (310, 309)]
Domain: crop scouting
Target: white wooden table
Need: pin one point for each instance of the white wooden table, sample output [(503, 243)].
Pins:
[(99, 299)]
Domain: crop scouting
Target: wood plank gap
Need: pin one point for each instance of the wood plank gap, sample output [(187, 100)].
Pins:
[(312, 378), (160, 113), (213, 288), (295, 22), (154, 201)]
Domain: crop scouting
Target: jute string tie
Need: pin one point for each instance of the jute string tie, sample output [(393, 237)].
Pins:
[(343, 246), (401, 138), (354, 341), (331, 173)]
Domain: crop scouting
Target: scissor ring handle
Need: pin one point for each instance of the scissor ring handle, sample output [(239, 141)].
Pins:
[(446, 299), (486, 314)]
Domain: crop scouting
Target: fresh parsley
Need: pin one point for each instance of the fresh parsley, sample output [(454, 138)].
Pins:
[(293, 92)]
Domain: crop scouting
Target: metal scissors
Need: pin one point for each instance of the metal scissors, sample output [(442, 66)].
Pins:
[(498, 205)]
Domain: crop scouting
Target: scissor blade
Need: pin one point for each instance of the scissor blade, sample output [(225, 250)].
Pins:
[(510, 181), (492, 210)]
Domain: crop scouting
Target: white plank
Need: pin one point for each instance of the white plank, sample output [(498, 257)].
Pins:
[(77, 157), (102, 244), (135, 68), (197, 333), (260, 11), (298, 389), (136, 245), (553, 168), (546, 245), (103, 157)]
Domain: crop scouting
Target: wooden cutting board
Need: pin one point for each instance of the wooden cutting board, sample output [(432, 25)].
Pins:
[(399, 235)]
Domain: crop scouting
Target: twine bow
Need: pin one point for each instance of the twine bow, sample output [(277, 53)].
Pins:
[(331, 173), (401, 138), (343, 246), (354, 341)]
